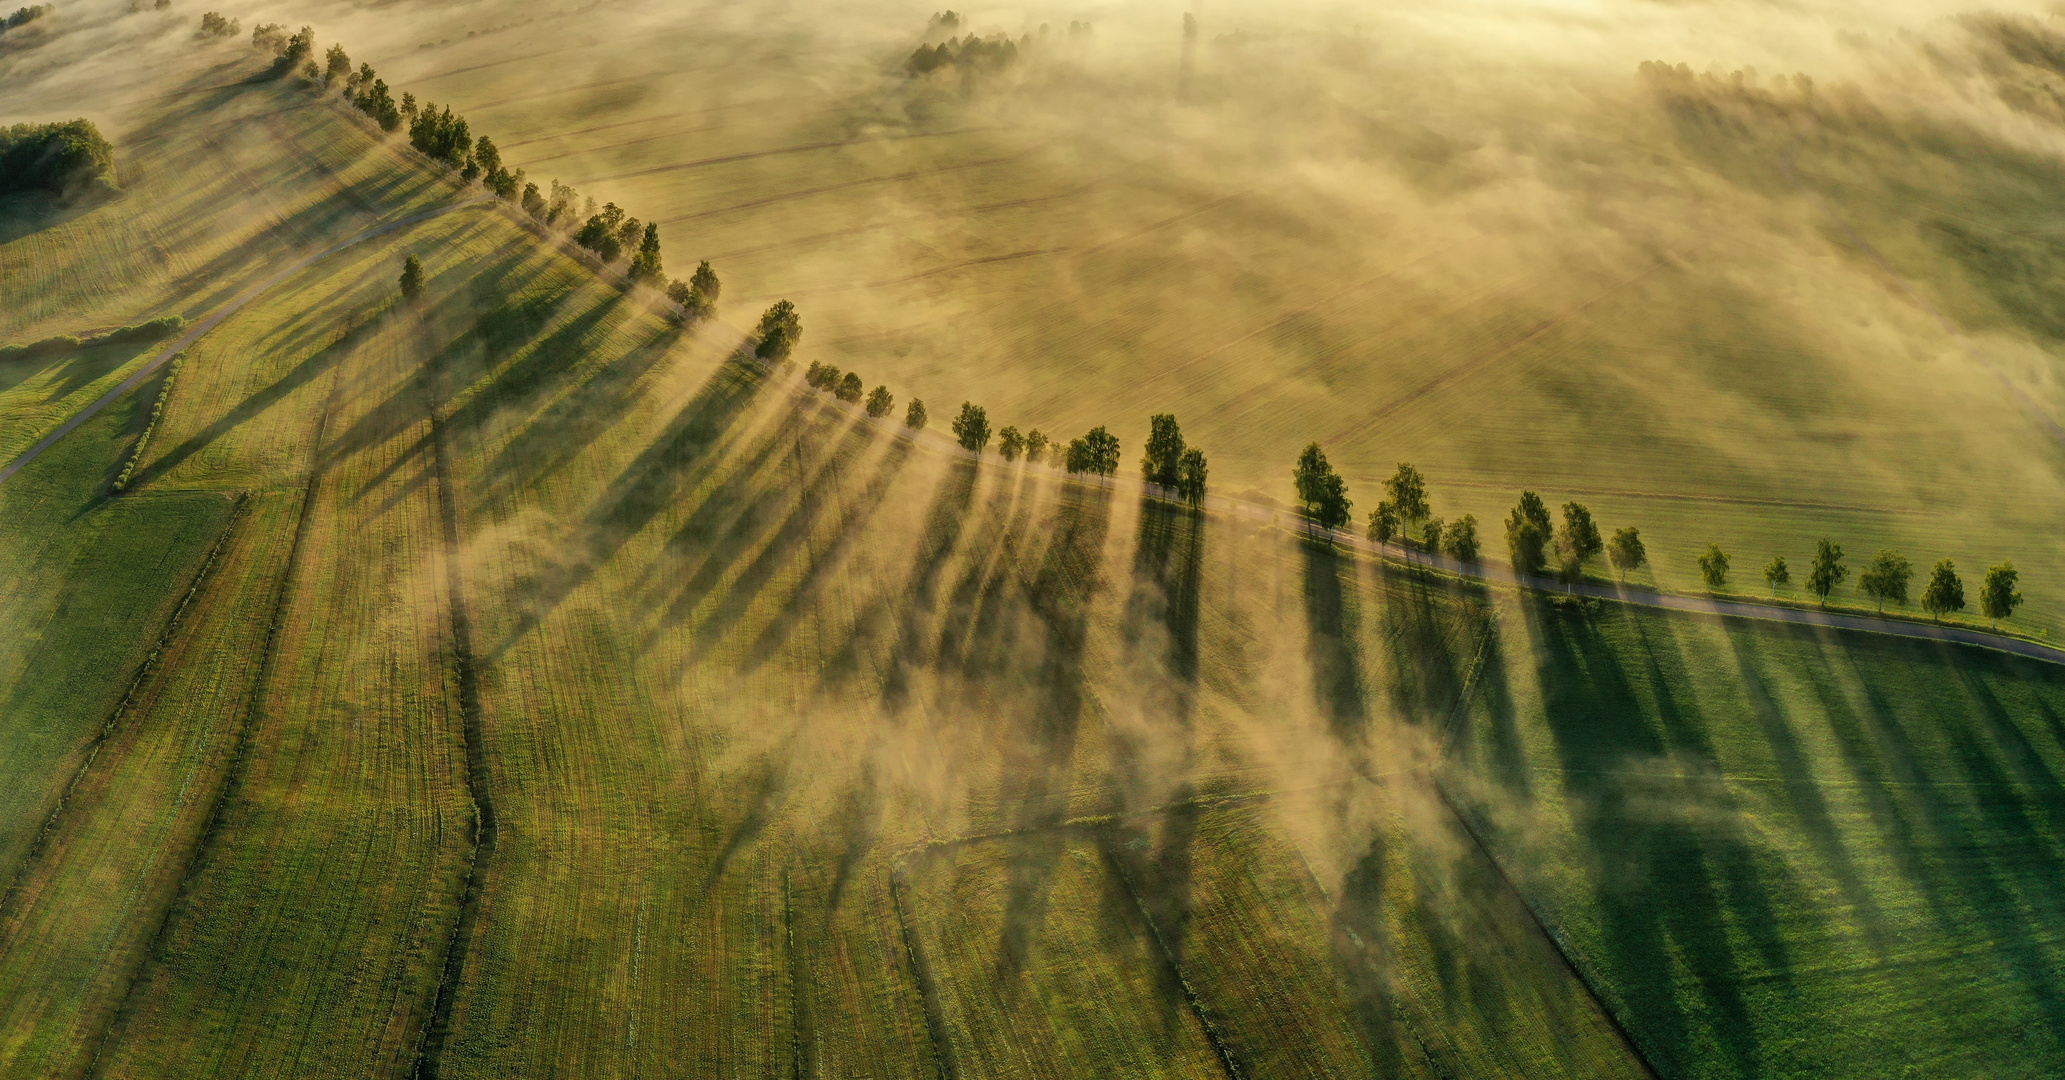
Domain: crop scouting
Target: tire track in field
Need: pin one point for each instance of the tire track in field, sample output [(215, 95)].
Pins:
[(1472, 367), (233, 772), (778, 151), (842, 186), (437, 1026), (211, 320)]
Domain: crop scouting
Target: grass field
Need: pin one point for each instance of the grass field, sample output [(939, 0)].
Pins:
[(516, 682)]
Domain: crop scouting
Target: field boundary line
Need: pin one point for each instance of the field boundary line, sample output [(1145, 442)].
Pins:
[(1161, 947), (209, 322), (484, 828), (233, 773), (1555, 943), (921, 973), (144, 671)]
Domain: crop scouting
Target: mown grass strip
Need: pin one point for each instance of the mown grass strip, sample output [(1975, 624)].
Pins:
[(233, 773), (144, 671)]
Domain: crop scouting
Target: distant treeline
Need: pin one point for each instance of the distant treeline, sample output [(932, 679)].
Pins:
[(154, 330), (66, 158), (22, 16)]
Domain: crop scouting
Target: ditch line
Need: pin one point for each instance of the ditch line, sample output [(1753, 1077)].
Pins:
[(921, 972), (1190, 995), (233, 775)]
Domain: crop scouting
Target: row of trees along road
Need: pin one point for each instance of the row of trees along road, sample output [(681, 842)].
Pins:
[(445, 137), (1536, 543)]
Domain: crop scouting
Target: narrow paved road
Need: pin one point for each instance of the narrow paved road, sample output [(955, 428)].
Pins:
[(208, 323), (1625, 594)]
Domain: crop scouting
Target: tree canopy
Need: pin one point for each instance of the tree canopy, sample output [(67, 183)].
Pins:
[(1191, 473), (1577, 541), (1035, 446), (1713, 567), (1528, 532), (645, 266), (1010, 443), (1944, 593), (1777, 573), (1625, 550), (914, 415), (779, 330), (1885, 577), (1997, 597), (880, 401), (1096, 452), (1828, 570), (850, 388), (1164, 455), (1460, 542), (971, 428), (1322, 490), (65, 158), (412, 277), (1406, 491), (1383, 523)]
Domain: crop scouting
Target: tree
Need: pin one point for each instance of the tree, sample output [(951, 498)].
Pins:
[(1408, 497), (335, 64), (1097, 453), (971, 428), (1885, 578), (850, 388), (215, 24), (532, 202), (1430, 534), (1828, 570), (1164, 456), (1625, 551), (645, 266), (412, 277), (1528, 533), (779, 330), (704, 281), (1944, 593), (914, 415), (1190, 477), (1010, 443), (1577, 541), (1383, 523), (880, 401), (1321, 489), (1461, 540), (1035, 446), (1777, 573), (629, 232), (1997, 597), (1713, 567)]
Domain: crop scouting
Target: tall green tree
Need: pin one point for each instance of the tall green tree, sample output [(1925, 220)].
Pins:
[(412, 277), (704, 281), (1191, 473), (1828, 570), (1578, 541), (336, 65), (880, 401), (1163, 459), (779, 330), (1383, 523), (1625, 551), (1528, 533), (1461, 540), (1997, 597), (1035, 447), (1406, 491), (850, 388), (1431, 533), (971, 428), (1010, 443), (1097, 453), (1944, 593), (645, 266), (1321, 490), (1777, 573), (914, 415), (1885, 578), (1713, 567)]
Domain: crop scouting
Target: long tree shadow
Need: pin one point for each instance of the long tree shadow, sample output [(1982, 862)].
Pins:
[(1333, 640), (672, 463), (1671, 877), (1428, 640)]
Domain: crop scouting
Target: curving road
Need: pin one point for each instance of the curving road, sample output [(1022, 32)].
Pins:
[(209, 323)]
